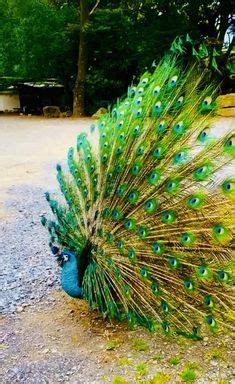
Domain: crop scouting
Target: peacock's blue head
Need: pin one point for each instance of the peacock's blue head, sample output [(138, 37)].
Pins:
[(66, 257)]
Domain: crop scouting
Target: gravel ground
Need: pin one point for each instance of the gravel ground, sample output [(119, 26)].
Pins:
[(46, 336), (30, 147)]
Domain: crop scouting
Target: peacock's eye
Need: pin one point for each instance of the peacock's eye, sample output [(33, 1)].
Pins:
[(132, 91), (180, 100), (65, 258), (156, 90), (207, 101), (138, 112), (219, 229), (140, 151), (178, 128), (118, 150), (157, 106), (120, 244), (140, 91), (173, 80), (144, 81), (189, 285), (211, 321)]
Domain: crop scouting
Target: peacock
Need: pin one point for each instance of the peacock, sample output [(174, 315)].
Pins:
[(146, 231)]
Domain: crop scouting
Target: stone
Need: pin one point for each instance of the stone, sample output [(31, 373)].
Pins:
[(226, 112), (214, 363), (66, 114), (45, 351), (19, 309), (226, 101), (51, 111), (99, 113)]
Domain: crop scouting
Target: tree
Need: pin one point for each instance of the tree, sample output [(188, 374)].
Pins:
[(97, 48), (79, 87)]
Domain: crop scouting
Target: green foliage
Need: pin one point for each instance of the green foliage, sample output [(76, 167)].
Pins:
[(159, 378), (124, 37), (141, 370), (123, 361), (140, 345), (174, 360), (157, 356), (188, 374), (119, 380), (215, 354), (37, 40), (112, 344)]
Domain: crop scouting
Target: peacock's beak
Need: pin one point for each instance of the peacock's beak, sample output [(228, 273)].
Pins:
[(60, 260)]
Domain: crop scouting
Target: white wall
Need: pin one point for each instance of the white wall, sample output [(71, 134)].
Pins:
[(9, 101)]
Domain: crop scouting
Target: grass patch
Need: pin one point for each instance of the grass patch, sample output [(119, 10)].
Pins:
[(159, 378), (215, 354), (140, 345), (174, 360), (157, 357), (189, 374), (112, 344), (141, 370), (119, 380), (124, 361)]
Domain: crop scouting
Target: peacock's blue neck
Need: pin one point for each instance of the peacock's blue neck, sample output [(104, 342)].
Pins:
[(73, 271)]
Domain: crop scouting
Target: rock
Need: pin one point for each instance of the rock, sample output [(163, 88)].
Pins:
[(45, 351), (51, 111), (226, 101), (19, 309), (214, 363), (66, 114), (226, 112), (99, 113)]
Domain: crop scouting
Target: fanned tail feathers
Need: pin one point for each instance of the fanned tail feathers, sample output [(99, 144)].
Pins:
[(155, 206)]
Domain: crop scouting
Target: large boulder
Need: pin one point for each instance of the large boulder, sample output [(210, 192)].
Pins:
[(226, 104), (51, 111), (226, 101), (99, 113), (226, 112)]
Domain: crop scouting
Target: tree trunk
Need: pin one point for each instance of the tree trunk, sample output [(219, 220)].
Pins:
[(79, 87)]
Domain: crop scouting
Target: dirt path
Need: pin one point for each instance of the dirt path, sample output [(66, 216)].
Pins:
[(46, 336)]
